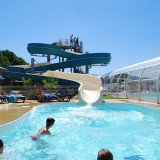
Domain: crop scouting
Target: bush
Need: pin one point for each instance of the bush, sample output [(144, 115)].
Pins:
[(51, 85)]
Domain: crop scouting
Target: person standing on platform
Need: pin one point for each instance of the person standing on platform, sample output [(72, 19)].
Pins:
[(71, 40), (74, 43), (66, 42), (77, 43), (81, 46)]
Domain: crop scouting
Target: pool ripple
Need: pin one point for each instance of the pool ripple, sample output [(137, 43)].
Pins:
[(128, 131)]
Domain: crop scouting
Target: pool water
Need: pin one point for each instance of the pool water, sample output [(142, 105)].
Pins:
[(130, 132), (150, 95), (147, 95)]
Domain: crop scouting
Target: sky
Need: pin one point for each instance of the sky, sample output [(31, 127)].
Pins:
[(128, 29)]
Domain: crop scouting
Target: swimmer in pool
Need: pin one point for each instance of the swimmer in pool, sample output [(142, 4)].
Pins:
[(1, 146), (44, 130)]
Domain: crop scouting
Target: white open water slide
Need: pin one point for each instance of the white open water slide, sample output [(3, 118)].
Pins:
[(90, 90)]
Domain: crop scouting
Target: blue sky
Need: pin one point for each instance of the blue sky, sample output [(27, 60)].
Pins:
[(128, 29)]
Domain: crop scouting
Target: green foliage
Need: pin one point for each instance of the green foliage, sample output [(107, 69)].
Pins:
[(112, 97), (9, 58), (29, 88), (50, 85), (121, 80), (27, 82), (4, 61)]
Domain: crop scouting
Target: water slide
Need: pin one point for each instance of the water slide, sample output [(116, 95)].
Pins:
[(49, 49), (74, 59), (90, 90)]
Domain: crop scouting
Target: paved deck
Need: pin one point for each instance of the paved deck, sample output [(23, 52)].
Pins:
[(11, 111), (131, 101)]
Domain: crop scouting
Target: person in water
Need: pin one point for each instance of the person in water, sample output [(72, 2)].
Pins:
[(1, 146), (44, 130), (104, 154)]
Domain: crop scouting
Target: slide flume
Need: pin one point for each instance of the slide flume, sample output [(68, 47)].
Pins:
[(90, 90)]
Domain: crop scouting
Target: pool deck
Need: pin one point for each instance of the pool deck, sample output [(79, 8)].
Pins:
[(132, 101), (12, 111)]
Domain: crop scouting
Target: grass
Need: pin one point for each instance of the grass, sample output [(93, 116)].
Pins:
[(112, 97)]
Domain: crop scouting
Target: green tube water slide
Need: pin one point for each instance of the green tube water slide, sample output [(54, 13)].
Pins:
[(72, 59)]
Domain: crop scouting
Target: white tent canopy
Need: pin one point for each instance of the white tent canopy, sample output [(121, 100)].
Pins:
[(141, 65)]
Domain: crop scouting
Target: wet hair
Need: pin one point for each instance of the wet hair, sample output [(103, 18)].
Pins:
[(104, 154), (1, 143), (49, 122)]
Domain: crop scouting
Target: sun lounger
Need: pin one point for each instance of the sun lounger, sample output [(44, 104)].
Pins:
[(20, 97), (65, 96), (48, 97), (14, 98), (4, 99), (61, 95), (55, 96)]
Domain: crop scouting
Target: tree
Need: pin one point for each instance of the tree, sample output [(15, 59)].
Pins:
[(4, 61), (27, 82), (29, 88), (9, 58)]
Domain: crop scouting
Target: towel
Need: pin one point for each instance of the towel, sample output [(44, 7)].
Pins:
[(48, 98)]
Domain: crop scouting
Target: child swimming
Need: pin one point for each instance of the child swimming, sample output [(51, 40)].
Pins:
[(44, 130)]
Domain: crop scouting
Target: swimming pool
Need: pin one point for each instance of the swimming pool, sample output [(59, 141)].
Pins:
[(130, 132)]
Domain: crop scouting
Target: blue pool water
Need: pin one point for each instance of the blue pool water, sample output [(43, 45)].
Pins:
[(130, 132), (147, 95)]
